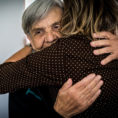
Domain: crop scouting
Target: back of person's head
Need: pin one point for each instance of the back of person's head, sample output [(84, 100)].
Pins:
[(38, 10), (88, 16)]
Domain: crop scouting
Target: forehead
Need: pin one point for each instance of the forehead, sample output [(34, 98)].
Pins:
[(52, 17)]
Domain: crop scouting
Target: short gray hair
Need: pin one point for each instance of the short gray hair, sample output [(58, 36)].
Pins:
[(36, 11)]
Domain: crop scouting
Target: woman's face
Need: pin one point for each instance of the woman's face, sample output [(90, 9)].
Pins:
[(46, 31)]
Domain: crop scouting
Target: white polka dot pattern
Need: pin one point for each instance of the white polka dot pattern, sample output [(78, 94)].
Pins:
[(68, 57)]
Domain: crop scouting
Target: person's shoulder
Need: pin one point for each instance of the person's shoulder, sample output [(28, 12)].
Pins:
[(76, 41), (75, 38)]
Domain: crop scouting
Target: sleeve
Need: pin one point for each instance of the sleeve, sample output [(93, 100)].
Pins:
[(69, 58), (41, 68)]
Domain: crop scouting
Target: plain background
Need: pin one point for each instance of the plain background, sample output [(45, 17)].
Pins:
[(11, 37)]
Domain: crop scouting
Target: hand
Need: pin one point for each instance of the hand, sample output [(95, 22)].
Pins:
[(110, 45), (72, 100)]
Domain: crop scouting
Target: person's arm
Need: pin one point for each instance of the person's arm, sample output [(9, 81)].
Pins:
[(109, 45), (20, 54), (72, 100), (32, 71), (61, 106), (51, 66)]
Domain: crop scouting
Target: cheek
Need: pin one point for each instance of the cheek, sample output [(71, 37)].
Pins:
[(38, 43)]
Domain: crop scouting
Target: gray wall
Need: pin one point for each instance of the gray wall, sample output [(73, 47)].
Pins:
[(11, 38)]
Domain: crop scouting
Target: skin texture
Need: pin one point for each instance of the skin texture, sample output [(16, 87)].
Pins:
[(45, 32), (109, 45), (87, 90)]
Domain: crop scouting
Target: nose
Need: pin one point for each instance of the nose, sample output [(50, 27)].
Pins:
[(50, 37)]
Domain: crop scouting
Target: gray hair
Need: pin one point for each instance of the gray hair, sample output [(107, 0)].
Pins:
[(36, 11)]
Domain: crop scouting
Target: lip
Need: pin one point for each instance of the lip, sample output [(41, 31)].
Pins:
[(47, 44)]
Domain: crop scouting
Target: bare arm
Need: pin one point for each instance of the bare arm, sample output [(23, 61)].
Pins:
[(20, 54)]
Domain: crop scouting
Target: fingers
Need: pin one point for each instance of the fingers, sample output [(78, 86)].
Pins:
[(103, 35), (85, 81), (92, 100), (90, 93), (100, 43), (91, 89), (109, 46), (87, 104), (88, 90), (79, 96), (102, 51), (108, 59), (66, 85), (95, 90)]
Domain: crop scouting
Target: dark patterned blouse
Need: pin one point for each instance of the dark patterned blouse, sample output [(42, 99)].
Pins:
[(68, 57)]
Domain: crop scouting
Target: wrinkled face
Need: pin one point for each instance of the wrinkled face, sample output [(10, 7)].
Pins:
[(46, 31)]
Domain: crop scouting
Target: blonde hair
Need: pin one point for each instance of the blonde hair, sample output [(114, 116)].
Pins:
[(88, 16)]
